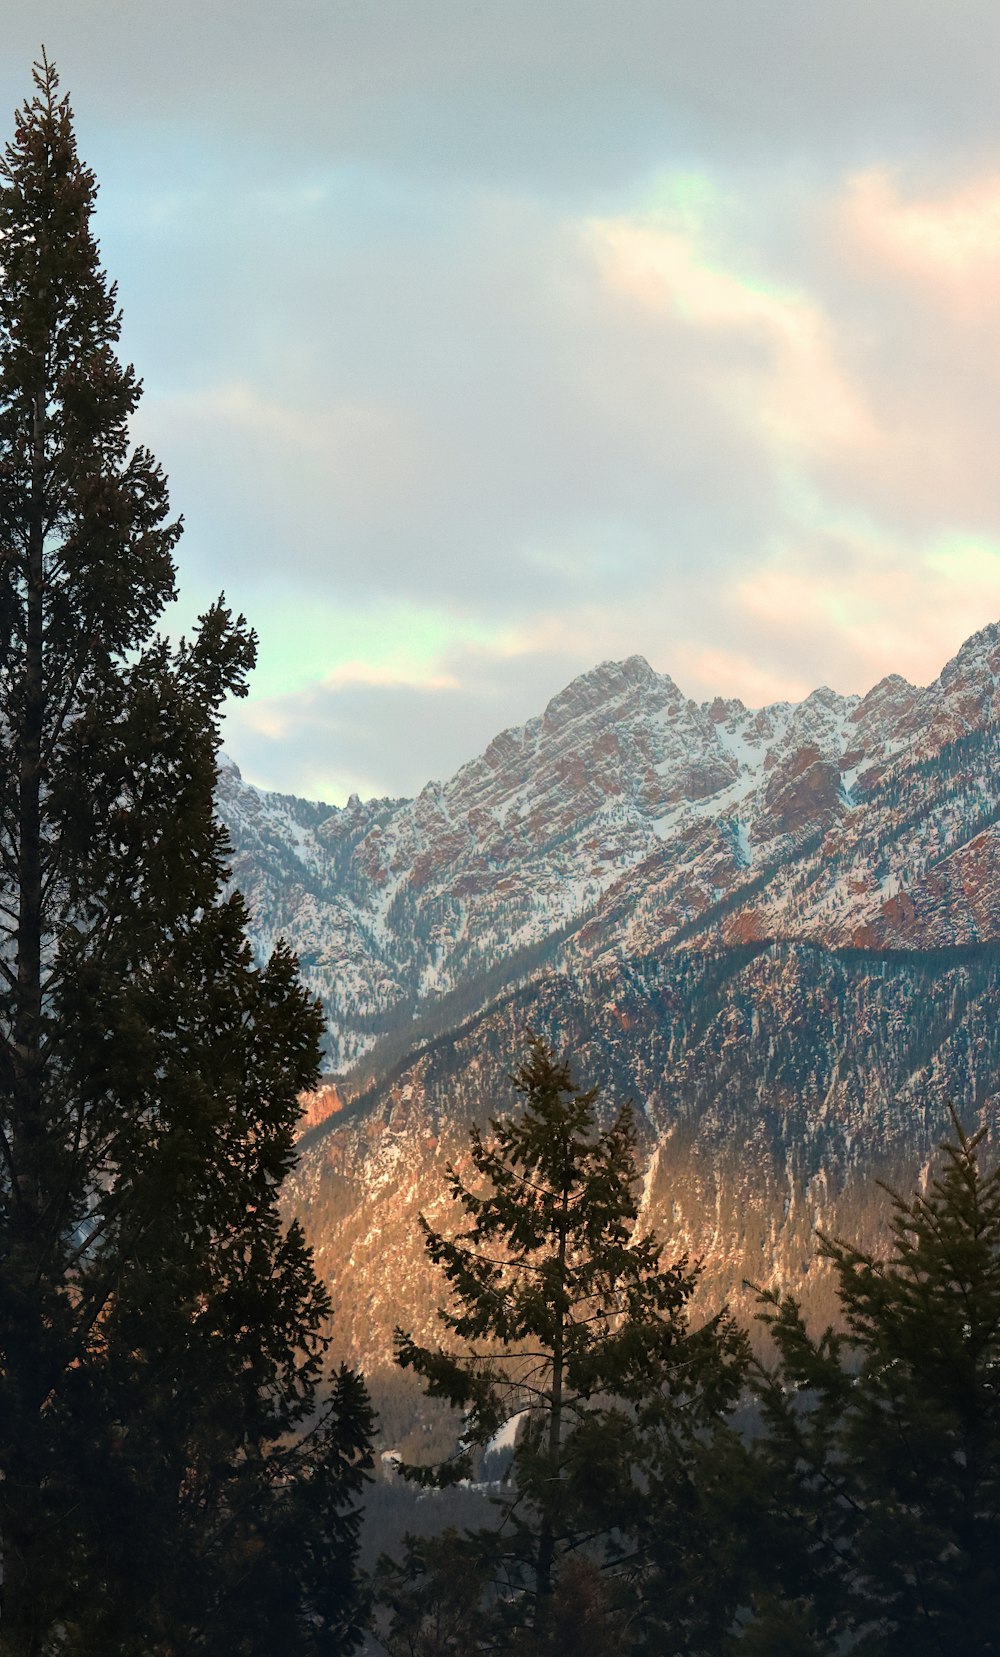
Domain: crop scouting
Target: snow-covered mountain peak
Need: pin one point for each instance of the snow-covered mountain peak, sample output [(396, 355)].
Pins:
[(626, 814), (735, 902), (978, 656), (886, 701), (609, 682)]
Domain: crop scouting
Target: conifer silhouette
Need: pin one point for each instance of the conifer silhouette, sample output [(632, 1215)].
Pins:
[(167, 1480)]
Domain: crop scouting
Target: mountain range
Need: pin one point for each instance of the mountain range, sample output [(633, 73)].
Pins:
[(777, 930)]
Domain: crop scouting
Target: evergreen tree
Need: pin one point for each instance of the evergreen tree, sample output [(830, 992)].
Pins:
[(168, 1481), (879, 1504), (567, 1324)]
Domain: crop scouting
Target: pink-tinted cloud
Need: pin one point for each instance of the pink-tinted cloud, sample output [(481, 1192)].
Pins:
[(576, 334), (862, 604), (782, 373), (946, 243), (712, 670)]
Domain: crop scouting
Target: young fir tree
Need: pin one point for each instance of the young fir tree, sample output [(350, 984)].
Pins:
[(168, 1483), (567, 1323), (878, 1516)]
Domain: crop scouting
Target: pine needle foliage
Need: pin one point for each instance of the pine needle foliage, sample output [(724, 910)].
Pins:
[(168, 1480), (879, 1505), (566, 1327)]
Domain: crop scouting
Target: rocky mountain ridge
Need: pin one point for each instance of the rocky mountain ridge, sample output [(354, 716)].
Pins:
[(628, 817), (777, 931)]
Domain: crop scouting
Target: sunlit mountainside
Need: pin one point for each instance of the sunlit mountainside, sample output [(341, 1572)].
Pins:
[(777, 930)]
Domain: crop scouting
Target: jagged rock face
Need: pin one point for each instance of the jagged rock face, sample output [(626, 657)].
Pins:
[(773, 1085), (626, 816)]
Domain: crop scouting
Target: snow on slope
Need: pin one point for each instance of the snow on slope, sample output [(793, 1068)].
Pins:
[(628, 816)]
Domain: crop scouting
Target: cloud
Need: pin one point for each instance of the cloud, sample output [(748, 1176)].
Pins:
[(575, 437), (377, 735), (484, 343), (836, 605), (780, 371), (572, 92), (947, 244), (501, 433), (857, 600)]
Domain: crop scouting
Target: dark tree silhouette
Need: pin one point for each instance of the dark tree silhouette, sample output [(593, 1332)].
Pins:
[(878, 1505), (565, 1325), (168, 1481)]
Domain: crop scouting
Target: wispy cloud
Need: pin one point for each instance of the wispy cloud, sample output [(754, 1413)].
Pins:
[(773, 360), (484, 343), (945, 242)]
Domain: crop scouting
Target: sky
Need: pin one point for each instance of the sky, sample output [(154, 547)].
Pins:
[(485, 340)]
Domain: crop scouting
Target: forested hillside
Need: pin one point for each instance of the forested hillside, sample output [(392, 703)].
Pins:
[(773, 1084)]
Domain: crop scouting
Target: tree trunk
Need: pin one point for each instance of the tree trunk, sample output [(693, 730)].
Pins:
[(547, 1539), (24, 1541)]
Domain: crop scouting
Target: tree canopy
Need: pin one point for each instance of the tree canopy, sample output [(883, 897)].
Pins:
[(878, 1505), (565, 1326), (177, 1471)]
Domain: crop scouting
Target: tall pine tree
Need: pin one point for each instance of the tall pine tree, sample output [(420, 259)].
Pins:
[(878, 1505), (169, 1479), (567, 1326)]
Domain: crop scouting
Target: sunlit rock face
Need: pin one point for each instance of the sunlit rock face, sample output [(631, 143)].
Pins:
[(777, 931), (773, 1083)]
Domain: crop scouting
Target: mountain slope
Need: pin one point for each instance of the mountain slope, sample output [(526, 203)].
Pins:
[(773, 1083), (778, 931), (626, 817)]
